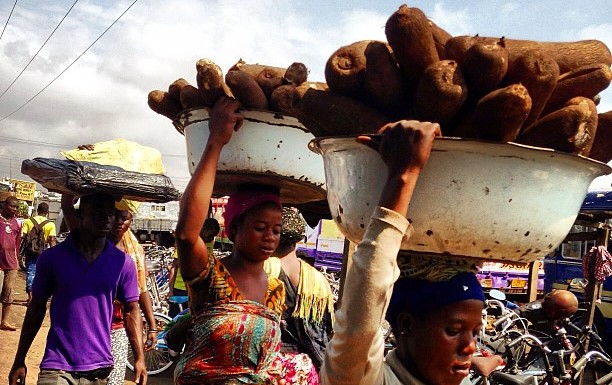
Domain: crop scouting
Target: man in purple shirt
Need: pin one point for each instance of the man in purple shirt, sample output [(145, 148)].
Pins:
[(10, 239), (82, 276)]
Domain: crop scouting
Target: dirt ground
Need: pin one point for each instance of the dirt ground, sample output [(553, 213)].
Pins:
[(9, 341)]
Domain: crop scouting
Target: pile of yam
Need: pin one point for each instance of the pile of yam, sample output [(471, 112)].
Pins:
[(543, 94)]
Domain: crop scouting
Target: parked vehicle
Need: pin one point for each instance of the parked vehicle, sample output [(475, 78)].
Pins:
[(565, 263)]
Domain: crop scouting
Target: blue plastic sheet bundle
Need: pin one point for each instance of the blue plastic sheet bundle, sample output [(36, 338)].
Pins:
[(80, 178)]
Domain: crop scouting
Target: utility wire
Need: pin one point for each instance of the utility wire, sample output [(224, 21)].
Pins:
[(70, 65), (7, 20), (40, 49)]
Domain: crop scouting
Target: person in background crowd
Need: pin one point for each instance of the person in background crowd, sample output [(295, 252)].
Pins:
[(435, 322), (82, 276), (308, 318), (124, 239), (235, 306), (49, 234), (10, 241)]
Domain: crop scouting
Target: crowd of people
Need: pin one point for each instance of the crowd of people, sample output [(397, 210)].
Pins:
[(260, 315)]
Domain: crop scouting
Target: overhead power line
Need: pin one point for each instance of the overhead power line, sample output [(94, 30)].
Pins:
[(7, 20), (40, 49), (70, 65)]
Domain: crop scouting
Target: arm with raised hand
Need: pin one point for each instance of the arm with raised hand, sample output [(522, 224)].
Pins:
[(194, 205), (355, 353)]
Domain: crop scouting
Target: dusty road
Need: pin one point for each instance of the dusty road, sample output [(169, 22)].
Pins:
[(9, 341)]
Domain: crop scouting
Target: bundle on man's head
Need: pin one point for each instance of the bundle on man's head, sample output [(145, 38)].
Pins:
[(247, 197), (428, 283)]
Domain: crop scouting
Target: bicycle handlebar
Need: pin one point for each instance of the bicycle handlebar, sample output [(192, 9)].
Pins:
[(579, 365), (496, 302), (531, 338), (503, 318)]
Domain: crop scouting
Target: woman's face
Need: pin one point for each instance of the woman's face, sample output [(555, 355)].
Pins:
[(438, 347), (123, 220), (258, 235)]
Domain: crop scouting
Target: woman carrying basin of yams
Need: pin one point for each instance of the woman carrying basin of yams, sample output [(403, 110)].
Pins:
[(435, 315), (235, 307)]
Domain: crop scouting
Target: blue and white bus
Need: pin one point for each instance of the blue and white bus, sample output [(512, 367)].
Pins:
[(565, 263)]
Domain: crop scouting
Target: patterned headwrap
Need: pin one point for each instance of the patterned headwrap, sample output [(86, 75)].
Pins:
[(242, 201), (427, 283), (293, 229)]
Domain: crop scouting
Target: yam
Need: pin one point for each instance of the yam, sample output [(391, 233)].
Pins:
[(345, 68), (174, 89), (296, 74), (269, 78), (325, 112), (570, 129), (602, 144), (498, 116), (210, 82), (383, 83), (441, 92), (281, 99), (246, 90), (456, 47), (190, 97), (538, 72), (484, 66), (251, 69), (568, 55), (162, 103), (441, 37), (586, 81), (409, 33)]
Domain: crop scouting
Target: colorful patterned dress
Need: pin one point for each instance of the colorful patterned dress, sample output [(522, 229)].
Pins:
[(233, 340)]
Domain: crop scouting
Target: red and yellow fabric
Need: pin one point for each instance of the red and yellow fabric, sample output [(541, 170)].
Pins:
[(233, 341)]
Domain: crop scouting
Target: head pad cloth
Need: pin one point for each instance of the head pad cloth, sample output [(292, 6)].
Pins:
[(427, 283), (293, 229), (242, 201)]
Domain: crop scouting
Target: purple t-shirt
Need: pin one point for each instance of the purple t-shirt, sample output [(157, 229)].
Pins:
[(82, 303)]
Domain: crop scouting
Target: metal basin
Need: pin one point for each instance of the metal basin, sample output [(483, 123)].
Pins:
[(270, 148), (494, 201)]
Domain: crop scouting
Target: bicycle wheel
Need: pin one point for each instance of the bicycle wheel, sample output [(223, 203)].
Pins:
[(157, 360)]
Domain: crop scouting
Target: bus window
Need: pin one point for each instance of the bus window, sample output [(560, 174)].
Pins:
[(576, 249)]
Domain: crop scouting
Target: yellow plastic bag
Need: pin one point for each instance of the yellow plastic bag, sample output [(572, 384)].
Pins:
[(126, 154)]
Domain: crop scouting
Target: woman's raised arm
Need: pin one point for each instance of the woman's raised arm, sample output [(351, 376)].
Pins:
[(195, 202)]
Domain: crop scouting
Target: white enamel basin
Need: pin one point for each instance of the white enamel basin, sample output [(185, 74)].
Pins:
[(270, 148), (494, 201)]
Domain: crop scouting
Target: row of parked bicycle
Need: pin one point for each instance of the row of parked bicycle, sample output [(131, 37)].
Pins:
[(568, 353)]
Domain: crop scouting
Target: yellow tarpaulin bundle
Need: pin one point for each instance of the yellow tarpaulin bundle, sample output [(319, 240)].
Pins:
[(126, 154)]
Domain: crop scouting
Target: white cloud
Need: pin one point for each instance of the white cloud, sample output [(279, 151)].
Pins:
[(103, 96), (453, 21)]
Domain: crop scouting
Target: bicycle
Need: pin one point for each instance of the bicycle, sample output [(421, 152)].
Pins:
[(158, 260), (158, 359)]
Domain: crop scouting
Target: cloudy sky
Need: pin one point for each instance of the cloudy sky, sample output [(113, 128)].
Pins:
[(103, 95)]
